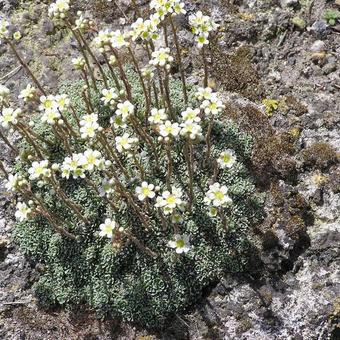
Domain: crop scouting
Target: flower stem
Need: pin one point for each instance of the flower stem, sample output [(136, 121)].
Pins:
[(178, 52), (25, 66), (208, 138), (205, 63)]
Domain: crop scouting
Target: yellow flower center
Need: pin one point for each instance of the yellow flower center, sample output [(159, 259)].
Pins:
[(226, 158), (171, 199), (146, 191), (91, 159), (219, 195), (180, 243)]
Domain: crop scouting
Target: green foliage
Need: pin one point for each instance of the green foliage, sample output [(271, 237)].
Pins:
[(124, 282), (332, 16)]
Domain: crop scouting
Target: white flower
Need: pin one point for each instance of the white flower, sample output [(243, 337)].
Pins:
[(22, 211), (109, 96), (226, 159), (39, 170), (169, 200), (125, 142), (78, 63), (145, 191), (181, 243), (89, 126), (50, 116), (204, 93), (157, 116), (9, 117), (169, 129), (191, 114), (201, 40), (191, 129), (91, 159), (27, 93), (4, 93), (125, 109), (48, 103), (107, 228), (161, 57), (63, 101), (118, 39), (217, 195), (212, 106), (179, 7)]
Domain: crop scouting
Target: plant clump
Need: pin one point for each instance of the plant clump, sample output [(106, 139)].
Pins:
[(132, 188)]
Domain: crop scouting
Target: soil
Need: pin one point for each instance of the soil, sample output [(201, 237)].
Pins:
[(278, 50)]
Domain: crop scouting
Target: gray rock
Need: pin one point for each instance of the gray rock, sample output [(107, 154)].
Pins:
[(318, 46), (329, 68), (319, 28), (289, 3), (48, 27)]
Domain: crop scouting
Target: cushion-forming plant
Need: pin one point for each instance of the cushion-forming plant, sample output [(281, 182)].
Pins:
[(132, 187)]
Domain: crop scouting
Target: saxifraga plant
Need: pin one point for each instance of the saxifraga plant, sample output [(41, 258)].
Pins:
[(132, 188)]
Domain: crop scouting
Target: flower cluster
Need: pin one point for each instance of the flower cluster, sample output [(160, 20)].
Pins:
[(23, 211), (59, 9), (28, 93), (202, 25), (165, 7), (13, 182), (102, 40), (53, 106), (79, 163), (145, 29), (9, 117), (162, 58), (211, 104), (89, 125), (82, 23), (190, 125)]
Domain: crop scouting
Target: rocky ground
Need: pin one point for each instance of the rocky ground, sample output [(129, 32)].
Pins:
[(278, 50)]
